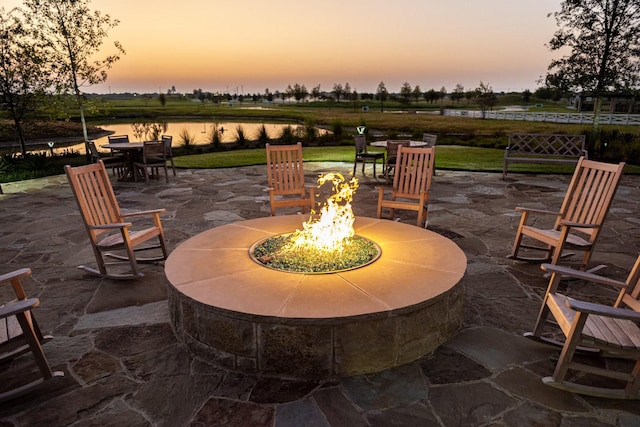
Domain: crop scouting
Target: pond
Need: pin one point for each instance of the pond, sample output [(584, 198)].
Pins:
[(199, 133)]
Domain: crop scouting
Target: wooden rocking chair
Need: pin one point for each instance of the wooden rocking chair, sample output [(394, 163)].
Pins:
[(107, 227), (285, 173), (579, 222), (19, 334), (610, 330), (411, 183)]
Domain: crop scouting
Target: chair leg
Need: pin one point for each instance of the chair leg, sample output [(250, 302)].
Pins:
[(633, 386), (380, 198), (173, 167), (36, 348), (564, 361)]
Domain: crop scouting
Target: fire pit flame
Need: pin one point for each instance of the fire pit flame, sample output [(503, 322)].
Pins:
[(334, 227)]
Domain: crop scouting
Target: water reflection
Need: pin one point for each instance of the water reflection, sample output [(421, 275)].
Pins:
[(199, 132)]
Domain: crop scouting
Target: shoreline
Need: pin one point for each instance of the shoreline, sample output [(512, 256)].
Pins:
[(59, 142)]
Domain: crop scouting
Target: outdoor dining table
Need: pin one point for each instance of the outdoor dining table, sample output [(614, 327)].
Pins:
[(383, 143), (131, 150)]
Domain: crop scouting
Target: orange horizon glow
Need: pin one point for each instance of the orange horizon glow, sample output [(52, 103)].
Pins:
[(243, 46)]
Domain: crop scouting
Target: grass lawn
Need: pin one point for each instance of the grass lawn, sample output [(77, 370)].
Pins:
[(452, 157)]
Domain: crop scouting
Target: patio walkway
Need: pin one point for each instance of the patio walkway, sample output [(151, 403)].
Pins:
[(124, 366)]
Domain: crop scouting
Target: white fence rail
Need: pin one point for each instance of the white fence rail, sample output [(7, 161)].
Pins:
[(577, 118)]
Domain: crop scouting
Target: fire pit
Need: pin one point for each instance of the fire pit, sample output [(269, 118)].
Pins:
[(234, 312)]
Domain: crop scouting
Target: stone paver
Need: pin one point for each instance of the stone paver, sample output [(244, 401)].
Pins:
[(124, 365)]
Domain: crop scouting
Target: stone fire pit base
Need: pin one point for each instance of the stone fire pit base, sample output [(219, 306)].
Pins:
[(231, 311)]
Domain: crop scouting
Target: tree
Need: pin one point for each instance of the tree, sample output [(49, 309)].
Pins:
[(163, 99), (431, 96), (382, 94), (315, 92), (347, 92), (486, 98), (458, 93), (338, 91), (300, 92), (603, 41), (417, 93), (73, 35), (405, 94), (24, 75)]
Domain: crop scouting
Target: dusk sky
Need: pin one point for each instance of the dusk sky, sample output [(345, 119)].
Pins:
[(247, 46)]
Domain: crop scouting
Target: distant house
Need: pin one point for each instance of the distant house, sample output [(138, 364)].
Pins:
[(621, 103)]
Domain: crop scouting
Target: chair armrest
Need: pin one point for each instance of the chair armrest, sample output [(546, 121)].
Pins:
[(140, 213), (583, 275), (533, 210), (114, 226), (602, 310), (19, 306), (578, 224), (17, 274)]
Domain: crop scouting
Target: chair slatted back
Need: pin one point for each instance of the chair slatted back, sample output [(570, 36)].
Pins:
[(430, 139), (394, 145), (413, 173), (153, 151), (94, 195), (630, 297), (118, 138), (93, 151), (167, 140), (590, 194), (361, 143), (285, 170)]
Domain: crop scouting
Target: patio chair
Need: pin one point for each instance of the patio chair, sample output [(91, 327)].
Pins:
[(108, 228), (431, 140), (285, 174), (578, 223), (114, 162), (20, 334), (605, 330), (411, 183), (168, 141), (392, 155), (153, 159), (364, 157)]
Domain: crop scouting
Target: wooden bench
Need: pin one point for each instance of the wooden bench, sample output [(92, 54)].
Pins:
[(544, 148)]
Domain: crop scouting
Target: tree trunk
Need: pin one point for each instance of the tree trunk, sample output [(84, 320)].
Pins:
[(597, 103), (20, 135)]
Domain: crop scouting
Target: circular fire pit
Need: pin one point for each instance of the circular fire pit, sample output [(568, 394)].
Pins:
[(232, 311), (358, 253)]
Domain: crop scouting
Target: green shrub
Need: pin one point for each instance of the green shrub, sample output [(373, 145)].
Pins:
[(336, 128), (263, 136), (241, 138), (310, 130), (187, 139), (287, 135), (215, 136)]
